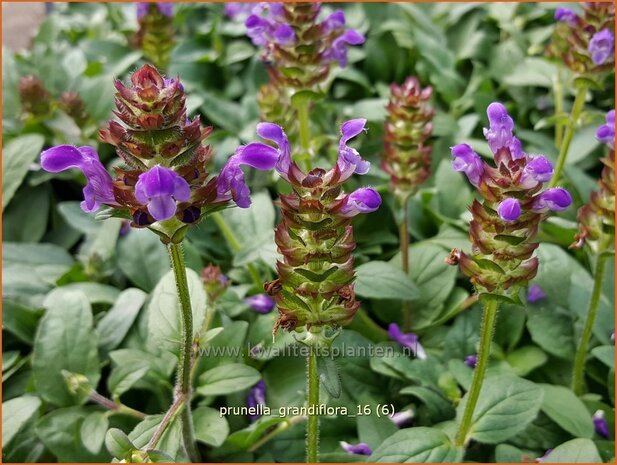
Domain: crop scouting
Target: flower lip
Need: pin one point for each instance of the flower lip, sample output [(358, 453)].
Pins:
[(606, 133), (408, 340), (600, 424), (349, 160), (358, 449), (159, 189), (555, 199), (601, 46), (565, 15), (468, 162), (538, 168), (509, 210), (261, 303), (362, 200)]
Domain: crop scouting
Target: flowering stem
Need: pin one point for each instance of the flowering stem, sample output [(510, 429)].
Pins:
[(578, 372), (486, 336), (169, 417), (305, 132), (115, 407), (404, 240), (184, 366), (558, 96), (577, 108), (235, 246), (312, 427)]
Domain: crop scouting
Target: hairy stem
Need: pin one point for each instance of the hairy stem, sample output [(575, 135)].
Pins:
[(116, 407), (404, 241), (186, 351), (312, 427), (578, 372), (235, 246), (577, 109), (169, 417), (486, 336)]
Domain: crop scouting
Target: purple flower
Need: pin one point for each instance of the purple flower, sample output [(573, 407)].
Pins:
[(231, 183), (263, 30), (358, 449), (499, 134), (402, 418), (349, 160), (600, 424), (471, 361), (537, 169), (601, 46), (165, 8), (606, 132), (275, 133), (468, 162), (509, 210), (408, 340), (535, 293), (160, 188), (363, 200), (333, 22), (98, 188), (555, 199), (338, 49), (261, 303), (565, 15), (256, 398)]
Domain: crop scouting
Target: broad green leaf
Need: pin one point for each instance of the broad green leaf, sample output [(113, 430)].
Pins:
[(574, 451), (506, 405), (93, 431), (17, 156), (65, 340), (143, 259), (567, 410), (77, 218), (20, 227), (439, 407), (248, 436), (417, 445), (118, 443), (532, 71), (381, 280), (526, 359), (210, 427), (96, 293), (16, 413), (552, 328), (606, 354), (164, 314), (226, 379), (170, 441), (114, 326)]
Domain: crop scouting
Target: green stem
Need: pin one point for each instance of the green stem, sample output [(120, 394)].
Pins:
[(235, 246), (484, 352), (115, 407), (305, 133), (577, 108), (558, 96), (578, 372), (404, 241), (168, 418), (176, 256), (312, 427)]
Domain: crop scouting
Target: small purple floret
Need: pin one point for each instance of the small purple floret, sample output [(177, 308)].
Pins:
[(600, 424), (98, 188), (261, 303), (357, 449), (255, 398), (535, 294), (601, 46), (556, 199), (349, 160), (471, 360), (509, 210), (362, 200), (538, 168), (606, 132), (338, 50), (468, 162), (565, 15), (160, 188), (408, 340)]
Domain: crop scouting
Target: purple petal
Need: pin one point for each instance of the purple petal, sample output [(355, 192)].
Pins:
[(98, 189), (261, 303), (565, 15), (166, 8), (601, 46), (357, 449), (333, 22), (606, 133), (231, 185), (256, 397), (349, 160), (538, 168), (363, 200), (555, 199), (338, 49), (284, 34), (468, 162), (499, 133), (256, 155), (159, 188), (275, 133), (600, 424), (509, 210), (471, 361), (402, 418), (407, 340), (535, 293)]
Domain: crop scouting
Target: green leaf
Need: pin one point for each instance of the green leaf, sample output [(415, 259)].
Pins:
[(114, 326), (170, 441), (164, 315), (65, 340), (417, 445), (96, 293), (20, 227), (552, 328), (300, 98), (226, 379), (17, 156), (531, 72), (606, 354), (118, 444), (93, 431), (567, 410), (329, 376), (381, 280), (506, 405), (574, 451), (16, 413), (210, 427), (440, 408), (144, 259), (526, 359)]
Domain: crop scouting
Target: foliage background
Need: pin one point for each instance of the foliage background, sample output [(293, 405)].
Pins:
[(79, 296)]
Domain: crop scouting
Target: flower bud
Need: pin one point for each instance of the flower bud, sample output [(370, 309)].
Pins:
[(72, 104), (34, 97)]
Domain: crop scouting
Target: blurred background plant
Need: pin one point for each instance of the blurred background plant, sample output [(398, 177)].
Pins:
[(68, 278)]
